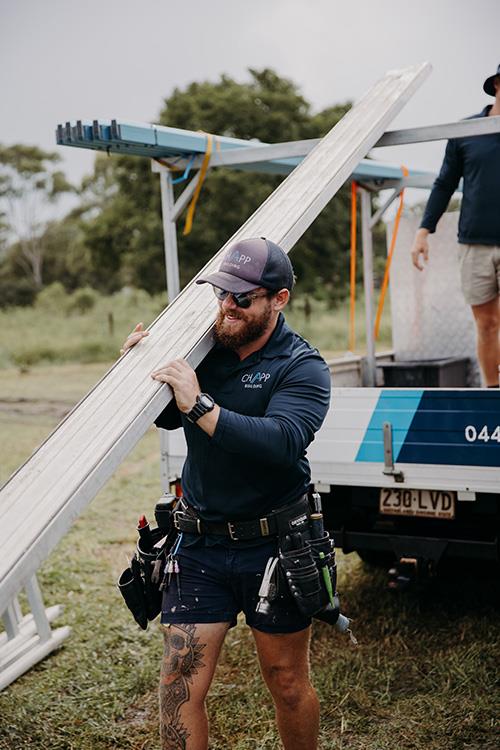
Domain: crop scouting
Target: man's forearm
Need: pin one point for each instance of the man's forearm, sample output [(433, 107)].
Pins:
[(208, 422)]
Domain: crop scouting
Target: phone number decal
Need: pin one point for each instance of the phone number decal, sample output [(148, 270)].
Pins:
[(474, 434)]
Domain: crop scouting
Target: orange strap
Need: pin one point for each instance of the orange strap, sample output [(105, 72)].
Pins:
[(201, 178), (352, 306), (388, 262)]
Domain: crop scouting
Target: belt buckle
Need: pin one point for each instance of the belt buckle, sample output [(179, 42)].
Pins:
[(175, 514), (178, 513), (232, 533)]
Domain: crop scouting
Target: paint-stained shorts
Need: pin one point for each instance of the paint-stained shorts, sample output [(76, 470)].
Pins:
[(479, 272), (217, 582)]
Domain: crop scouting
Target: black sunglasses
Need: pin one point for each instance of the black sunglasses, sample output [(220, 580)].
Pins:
[(241, 299)]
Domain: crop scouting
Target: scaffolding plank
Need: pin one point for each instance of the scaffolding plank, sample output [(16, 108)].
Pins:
[(41, 500)]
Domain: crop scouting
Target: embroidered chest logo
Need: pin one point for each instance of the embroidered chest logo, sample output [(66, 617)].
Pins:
[(255, 379)]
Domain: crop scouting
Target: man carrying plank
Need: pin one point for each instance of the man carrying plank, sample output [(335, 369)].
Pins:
[(249, 413)]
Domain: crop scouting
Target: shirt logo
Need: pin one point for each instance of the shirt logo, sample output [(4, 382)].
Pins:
[(255, 379)]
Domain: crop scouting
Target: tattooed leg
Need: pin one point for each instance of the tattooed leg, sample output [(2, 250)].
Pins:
[(189, 661)]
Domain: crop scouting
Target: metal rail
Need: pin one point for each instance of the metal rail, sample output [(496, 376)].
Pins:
[(293, 149)]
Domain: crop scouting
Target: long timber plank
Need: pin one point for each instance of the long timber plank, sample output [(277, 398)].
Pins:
[(46, 494)]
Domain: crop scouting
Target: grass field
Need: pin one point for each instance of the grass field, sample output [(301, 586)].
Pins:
[(423, 677), (54, 332)]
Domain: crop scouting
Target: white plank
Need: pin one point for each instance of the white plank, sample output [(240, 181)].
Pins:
[(31, 653), (41, 500)]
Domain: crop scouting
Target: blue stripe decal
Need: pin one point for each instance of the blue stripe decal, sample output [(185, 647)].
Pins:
[(460, 428), (397, 407)]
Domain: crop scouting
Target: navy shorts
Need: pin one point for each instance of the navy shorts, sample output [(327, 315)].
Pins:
[(216, 582)]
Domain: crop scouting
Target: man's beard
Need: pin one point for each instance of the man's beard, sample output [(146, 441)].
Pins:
[(249, 332)]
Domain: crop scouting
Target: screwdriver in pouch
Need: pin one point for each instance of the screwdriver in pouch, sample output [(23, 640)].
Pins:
[(145, 535)]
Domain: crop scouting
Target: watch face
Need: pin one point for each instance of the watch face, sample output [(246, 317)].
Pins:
[(205, 400)]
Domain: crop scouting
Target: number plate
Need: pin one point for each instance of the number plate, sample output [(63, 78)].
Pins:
[(419, 503)]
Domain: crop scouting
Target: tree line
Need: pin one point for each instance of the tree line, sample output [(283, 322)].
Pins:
[(113, 236)]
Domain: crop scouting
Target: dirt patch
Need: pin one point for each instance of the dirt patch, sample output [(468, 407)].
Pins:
[(15, 407)]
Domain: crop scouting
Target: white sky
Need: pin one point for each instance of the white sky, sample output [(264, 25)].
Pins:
[(100, 59)]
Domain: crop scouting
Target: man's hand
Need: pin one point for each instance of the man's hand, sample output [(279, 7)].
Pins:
[(133, 338), (420, 248), (182, 379)]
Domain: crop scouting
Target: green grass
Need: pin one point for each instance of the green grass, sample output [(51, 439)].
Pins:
[(423, 678), (53, 332), (328, 330)]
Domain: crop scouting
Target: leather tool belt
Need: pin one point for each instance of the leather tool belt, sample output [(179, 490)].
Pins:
[(285, 520)]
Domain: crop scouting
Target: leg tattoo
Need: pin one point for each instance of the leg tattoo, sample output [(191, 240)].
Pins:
[(182, 660)]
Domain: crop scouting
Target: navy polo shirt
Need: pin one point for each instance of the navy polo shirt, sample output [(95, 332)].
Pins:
[(477, 160), (271, 403)]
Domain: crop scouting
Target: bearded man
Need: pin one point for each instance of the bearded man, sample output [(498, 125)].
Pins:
[(249, 413)]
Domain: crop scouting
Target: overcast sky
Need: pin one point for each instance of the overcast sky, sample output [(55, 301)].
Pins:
[(99, 59)]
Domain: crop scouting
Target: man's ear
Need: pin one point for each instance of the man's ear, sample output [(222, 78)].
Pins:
[(280, 299)]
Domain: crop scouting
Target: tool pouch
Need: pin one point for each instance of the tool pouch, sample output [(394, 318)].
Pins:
[(302, 576), (306, 569), (131, 587), (139, 584), (323, 552), (152, 565)]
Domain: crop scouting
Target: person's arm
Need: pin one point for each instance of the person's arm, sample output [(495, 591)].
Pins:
[(444, 186), (134, 338), (295, 412), (170, 418)]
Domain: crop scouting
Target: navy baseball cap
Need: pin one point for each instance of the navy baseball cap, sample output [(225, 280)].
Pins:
[(488, 86), (251, 263)]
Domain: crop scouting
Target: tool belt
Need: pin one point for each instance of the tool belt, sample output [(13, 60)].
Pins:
[(285, 520), (140, 582)]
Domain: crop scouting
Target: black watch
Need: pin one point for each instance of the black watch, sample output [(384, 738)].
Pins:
[(204, 404)]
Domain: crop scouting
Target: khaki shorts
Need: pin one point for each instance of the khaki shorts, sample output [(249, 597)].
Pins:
[(479, 272)]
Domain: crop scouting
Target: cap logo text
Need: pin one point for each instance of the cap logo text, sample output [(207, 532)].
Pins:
[(238, 258)]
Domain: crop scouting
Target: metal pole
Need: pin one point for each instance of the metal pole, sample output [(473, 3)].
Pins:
[(169, 235), (164, 460), (173, 286), (366, 238), (10, 622), (38, 610)]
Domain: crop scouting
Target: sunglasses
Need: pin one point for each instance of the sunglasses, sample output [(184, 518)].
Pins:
[(242, 299)]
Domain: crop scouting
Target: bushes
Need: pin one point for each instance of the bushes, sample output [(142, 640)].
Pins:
[(16, 292), (83, 300), (52, 298)]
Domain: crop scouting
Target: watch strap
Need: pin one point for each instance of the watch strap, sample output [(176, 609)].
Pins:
[(200, 409)]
